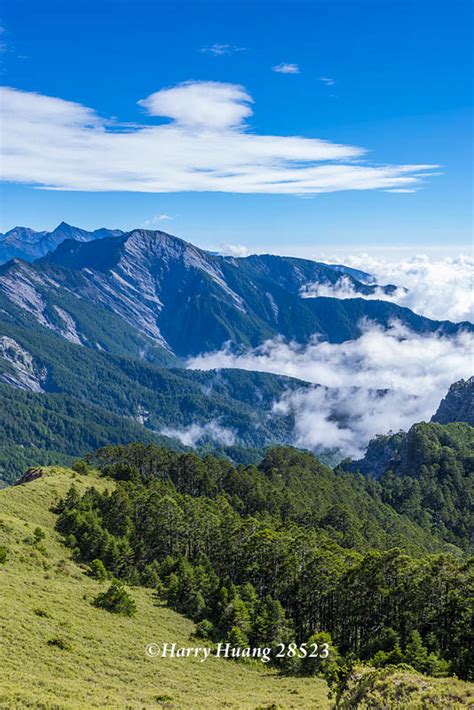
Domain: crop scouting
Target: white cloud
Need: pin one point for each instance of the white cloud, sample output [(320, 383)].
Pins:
[(415, 369), (206, 146), (286, 68), (233, 249), (327, 80), (219, 50), (155, 221), (442, 289), (198, 433), (343, 288), (209, 104)]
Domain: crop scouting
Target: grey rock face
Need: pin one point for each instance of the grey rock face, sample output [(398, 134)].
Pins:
[(189, 301), (458, 405)]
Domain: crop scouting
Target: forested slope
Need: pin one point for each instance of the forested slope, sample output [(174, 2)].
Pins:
[(242, 551), (427, 473)]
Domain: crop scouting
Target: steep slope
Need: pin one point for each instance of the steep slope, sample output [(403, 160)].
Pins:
[(27, 244), (282, 550), (193, 301), (59, 651), (458, 405), (43, 428), (31, 299), (224, 408), (427, 474)]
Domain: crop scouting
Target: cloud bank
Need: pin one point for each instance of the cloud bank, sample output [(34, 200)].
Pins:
[(205, 145), (440, 289), (415, 370)]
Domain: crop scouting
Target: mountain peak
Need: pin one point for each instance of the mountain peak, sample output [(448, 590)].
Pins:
[(458, 405), (30, 245), (156, 235), (155, 244), (64, 227)]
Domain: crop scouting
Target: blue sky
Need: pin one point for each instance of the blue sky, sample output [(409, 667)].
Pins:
[(391, 77)]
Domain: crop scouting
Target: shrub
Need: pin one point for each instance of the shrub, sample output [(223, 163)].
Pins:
[(42, 613), (159, 594), (116, 600), (36, 538), (61, 643), (3, 555), (328, 666), (204, 630), (81, 467), (150, 576), (62, 567), (97, 570), (38, 534)]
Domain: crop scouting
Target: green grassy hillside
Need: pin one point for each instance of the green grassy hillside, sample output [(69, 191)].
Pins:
[(46, 603), (402, 688)]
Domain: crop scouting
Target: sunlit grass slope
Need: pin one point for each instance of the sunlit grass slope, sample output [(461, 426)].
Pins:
[(404, 689), (59, 651)]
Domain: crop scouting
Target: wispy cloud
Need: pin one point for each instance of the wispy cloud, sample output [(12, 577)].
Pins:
[(401, 190), (207, 146), (327, 80), (200, 433), (156, 220), (219, 50), (286, 68), (3, 43)]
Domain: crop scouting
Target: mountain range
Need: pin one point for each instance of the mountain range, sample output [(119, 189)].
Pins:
[(96, 334), (188, 301), (28, 244)]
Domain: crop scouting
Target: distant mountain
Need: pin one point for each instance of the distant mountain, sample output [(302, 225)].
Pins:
[(458, 405), (27, 244), (189, 301), (107, 323), (361, 276)]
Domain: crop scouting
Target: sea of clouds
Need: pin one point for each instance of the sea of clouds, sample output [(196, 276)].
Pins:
[(442, 289), (385, 380)]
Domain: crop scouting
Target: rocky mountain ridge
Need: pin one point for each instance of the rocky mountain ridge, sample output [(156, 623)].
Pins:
[(189, 301), (458, 405), (28, 244)]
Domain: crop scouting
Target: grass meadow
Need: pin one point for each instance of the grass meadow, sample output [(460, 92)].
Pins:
[(59, 651)]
